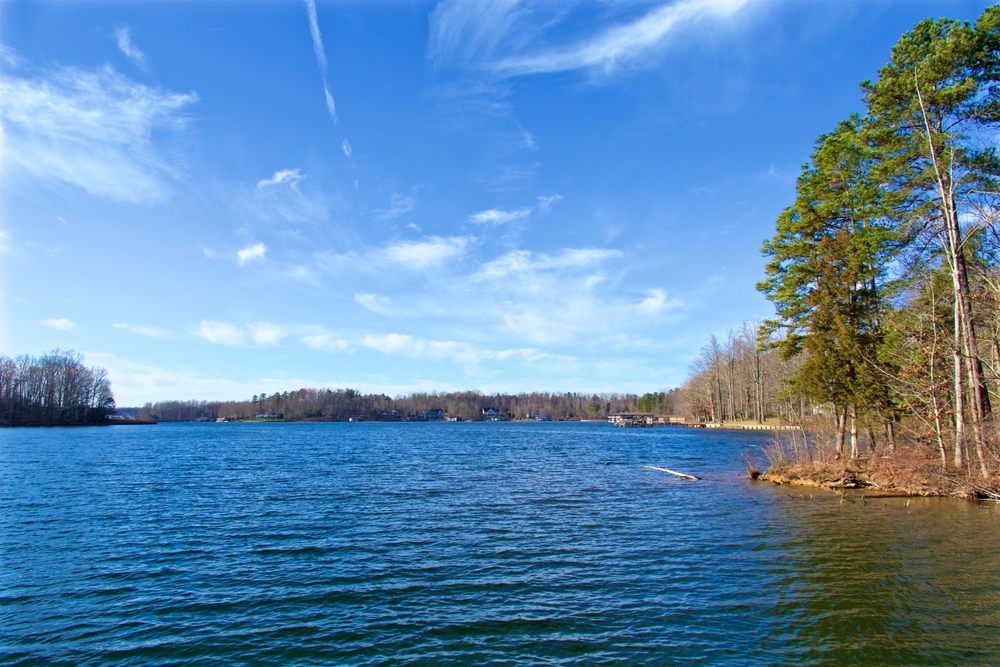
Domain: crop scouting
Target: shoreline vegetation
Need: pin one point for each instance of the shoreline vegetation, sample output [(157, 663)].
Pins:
[(885, 277), (54, 389)]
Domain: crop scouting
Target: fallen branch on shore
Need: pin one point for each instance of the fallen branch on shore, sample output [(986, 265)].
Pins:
[(672, 472)]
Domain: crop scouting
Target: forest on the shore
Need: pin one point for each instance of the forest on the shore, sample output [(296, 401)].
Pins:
[(54, 389), (345, 404), (885, 270)]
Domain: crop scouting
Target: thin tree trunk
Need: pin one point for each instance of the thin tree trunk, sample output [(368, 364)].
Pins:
[(935, 406), (841, 416), (854, 432), (964, 332)]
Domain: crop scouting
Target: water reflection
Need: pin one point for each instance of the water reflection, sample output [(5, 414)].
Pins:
[(886, 580)]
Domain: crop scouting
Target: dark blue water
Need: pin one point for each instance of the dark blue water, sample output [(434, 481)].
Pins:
[(219, 544)]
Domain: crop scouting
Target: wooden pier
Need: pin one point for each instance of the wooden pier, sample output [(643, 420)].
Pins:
[(646, 419)]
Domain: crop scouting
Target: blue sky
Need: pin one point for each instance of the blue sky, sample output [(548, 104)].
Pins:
[(212, 200)]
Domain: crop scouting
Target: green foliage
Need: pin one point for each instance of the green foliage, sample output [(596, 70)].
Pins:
[(828, 269), (658, 402)]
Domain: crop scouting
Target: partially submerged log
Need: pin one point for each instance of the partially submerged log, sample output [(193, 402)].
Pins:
[(672, 472)]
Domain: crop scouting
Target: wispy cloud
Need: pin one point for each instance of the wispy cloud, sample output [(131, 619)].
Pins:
[(290, 176), (346, 147), (137, 383), (221, 333), (398, 205), (523, 261), (454, 351), (60, 323), (497, 217), (424, 254), (331, 106), (255, 251), (504, 36), (91, 129), (151, 332), (622, 43), (656, 302), (317, 40), (263, 333), (284, 197), (326, 342), (127, 47), (374, 302), (545, 203)]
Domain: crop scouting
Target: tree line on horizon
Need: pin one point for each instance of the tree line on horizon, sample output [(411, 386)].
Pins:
[(54, 389), (344, 404), (885, 270)]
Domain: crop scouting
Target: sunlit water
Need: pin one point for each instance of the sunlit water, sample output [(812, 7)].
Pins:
[(218, 544)]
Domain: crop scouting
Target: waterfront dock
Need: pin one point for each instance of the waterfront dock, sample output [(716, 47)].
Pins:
[(646, 419)]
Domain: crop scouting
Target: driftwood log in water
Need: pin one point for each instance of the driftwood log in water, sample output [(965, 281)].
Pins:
[(672, 472)]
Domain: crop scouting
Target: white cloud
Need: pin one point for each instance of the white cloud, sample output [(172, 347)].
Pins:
[(503, 36), (136, 383), (331, 106), (152, 332), (317, 38), (544, 203), (496, 217), (290, 176), (60, 323), (263, 333), (471, 31), (398, 205), (375, 303), (425, 254), (129, 49), (621, 43), (326, 342), (236, 334), (256, 251), (523, 261), (454, 351), (656, 302), (91, 129), (222, 333), (346, 147)]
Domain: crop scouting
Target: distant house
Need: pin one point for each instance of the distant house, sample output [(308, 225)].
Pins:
[(492, 414), (270, 416), (394, 414), (434, 413)]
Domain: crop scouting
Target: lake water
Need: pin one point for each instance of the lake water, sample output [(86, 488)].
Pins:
[(470, 543)]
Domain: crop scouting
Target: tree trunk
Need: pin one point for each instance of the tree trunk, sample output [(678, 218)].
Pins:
[(854, 432), (841, 416), (959, 399)]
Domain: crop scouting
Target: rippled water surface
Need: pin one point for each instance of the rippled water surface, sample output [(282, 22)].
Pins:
[(468, 543)]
